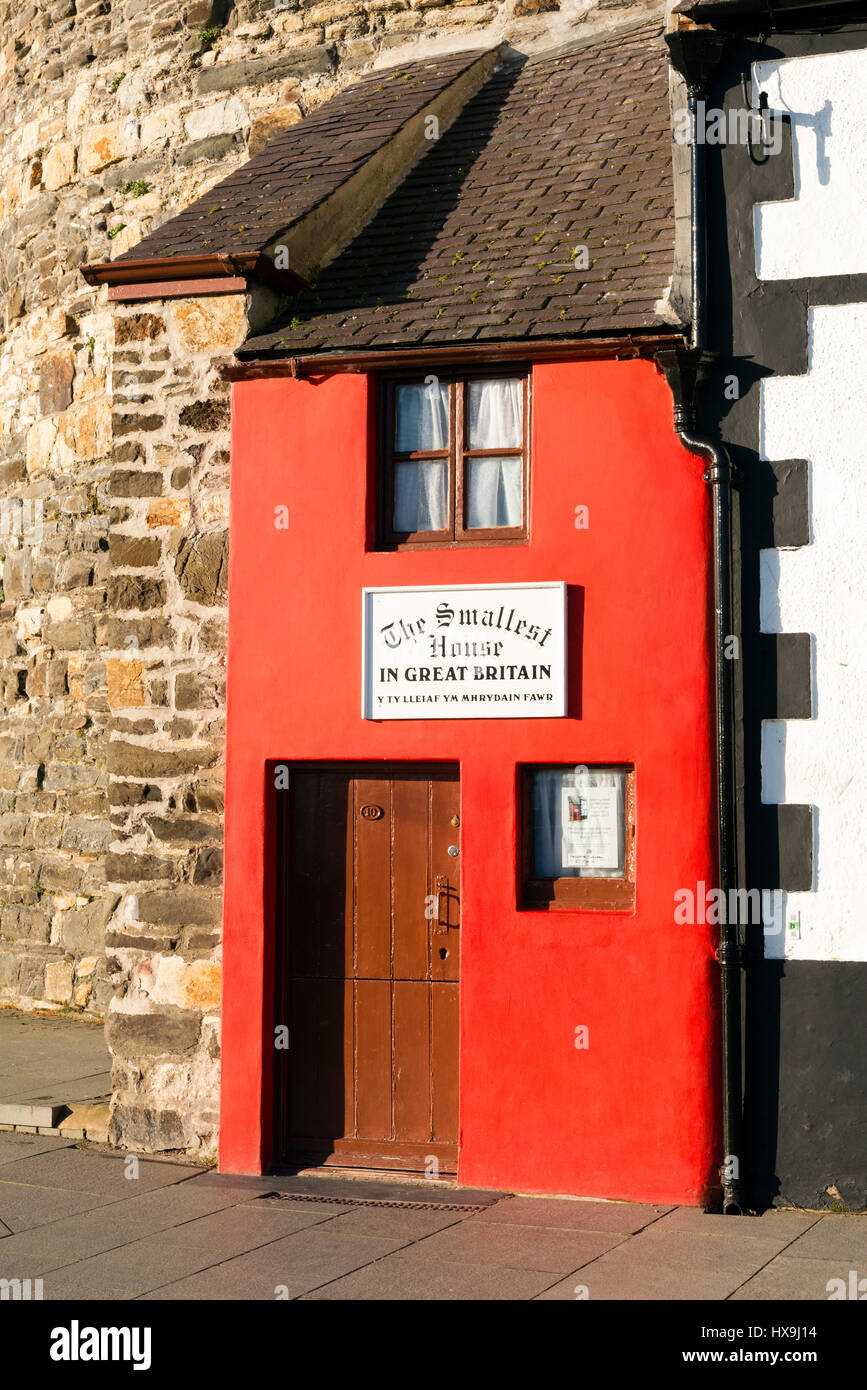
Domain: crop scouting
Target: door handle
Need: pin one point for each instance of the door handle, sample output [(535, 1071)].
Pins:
[(442, 887)]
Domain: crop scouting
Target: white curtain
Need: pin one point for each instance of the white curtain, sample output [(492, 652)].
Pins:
[(494, 421), (494, 485), (495, 414), (421, 488), (422, 417), (547, 800)]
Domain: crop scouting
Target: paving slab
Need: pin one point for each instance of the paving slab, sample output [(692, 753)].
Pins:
[(405, 1278), (149, 1263), (609, 1280), (50, 1062), (560, 1212), (119, 1223), (795, 1279), (834, 1237), (14, 1146), (23, 1207), (80, 1170), (519, 1247), (300, 1263), (687, 1250), (239, 1280), (772, 1225)]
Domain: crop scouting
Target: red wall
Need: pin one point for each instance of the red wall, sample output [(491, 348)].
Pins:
[(635, 1115)]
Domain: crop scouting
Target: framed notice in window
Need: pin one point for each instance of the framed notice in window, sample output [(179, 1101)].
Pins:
[(578, 837)]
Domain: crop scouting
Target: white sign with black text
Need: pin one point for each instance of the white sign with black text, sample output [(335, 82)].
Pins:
[(470, 651)]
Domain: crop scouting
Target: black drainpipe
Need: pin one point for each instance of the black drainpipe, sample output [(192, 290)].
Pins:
[(695, 53)]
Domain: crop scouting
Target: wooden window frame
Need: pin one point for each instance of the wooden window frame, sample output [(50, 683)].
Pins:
[(456, 533), (571, 894)]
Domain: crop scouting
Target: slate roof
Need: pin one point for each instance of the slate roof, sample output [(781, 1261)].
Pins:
[(298, 169), (723, 11), (478, 243)]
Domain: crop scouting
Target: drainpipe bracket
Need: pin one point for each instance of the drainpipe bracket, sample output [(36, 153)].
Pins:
[(723, 472), (732, 953)]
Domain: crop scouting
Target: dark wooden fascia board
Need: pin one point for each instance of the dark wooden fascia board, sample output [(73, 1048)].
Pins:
[(183, 271), (526, 350)]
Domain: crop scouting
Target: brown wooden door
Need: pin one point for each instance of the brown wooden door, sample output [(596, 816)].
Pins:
[(369, 961)]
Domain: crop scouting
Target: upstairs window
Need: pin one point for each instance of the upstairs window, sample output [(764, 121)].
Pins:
[(455, 460)]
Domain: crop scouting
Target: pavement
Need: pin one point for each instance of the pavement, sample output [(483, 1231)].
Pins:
[(91, 1223), (54, 1075)]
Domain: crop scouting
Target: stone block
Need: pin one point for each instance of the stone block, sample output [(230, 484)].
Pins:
[(136, 868), (138, 328), (132, 633), (180, 907), (74, 635), (25, 924), (107, 143), (209, 867), (86, 836), (144, 1127), (82, 929), (202, 568), (58, 166), (134, 483), (216, 324), (206, 151), (174, 511), (92, 430), (13, 829), (134, 422), (183, 828), (128, 591), (55, 384), (167, 1031), (132, 794), (41, 439), (58, 981), (133, 552), (134, 760), (124, 681), (220, 118), (194, 690), (249, 72), (206, 416), (273, 123)]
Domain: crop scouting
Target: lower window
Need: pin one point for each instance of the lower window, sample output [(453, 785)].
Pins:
[(578, 837)]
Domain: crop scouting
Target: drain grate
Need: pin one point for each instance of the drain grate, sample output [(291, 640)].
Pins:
[(465, 1207)]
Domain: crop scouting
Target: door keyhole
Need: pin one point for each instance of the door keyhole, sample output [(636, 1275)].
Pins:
[(443, 952)]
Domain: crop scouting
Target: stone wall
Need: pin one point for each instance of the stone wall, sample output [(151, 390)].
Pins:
[(114, 487), (165, 674)]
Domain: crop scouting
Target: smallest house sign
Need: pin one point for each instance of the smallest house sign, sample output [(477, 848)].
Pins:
[(470, 651)]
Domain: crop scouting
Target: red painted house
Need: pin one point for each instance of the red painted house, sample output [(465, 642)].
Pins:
[(470, 697)]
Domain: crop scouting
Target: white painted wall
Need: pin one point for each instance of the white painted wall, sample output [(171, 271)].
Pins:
[(821, 588), (823, 229)]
